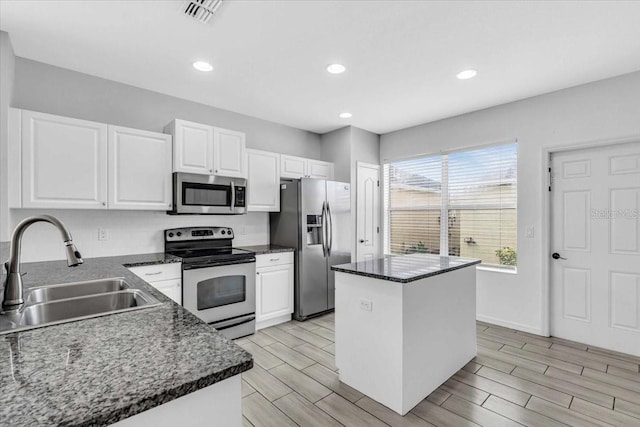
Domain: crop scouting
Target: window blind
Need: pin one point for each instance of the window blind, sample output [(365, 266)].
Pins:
[(475, 191)]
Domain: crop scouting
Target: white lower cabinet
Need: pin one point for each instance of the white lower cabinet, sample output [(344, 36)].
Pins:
[(167, 278), (274, 288)]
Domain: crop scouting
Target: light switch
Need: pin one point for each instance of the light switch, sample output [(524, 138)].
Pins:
[(530, 232)]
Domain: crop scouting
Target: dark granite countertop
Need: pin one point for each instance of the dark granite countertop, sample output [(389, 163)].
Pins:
[(405, 268), (266, 249), (102, 370)]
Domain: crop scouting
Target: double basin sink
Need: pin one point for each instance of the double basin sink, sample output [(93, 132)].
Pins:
[(54, 304)]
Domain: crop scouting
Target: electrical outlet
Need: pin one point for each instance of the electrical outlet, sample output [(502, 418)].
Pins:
[(103, 233), (529, 232), (366, 305)]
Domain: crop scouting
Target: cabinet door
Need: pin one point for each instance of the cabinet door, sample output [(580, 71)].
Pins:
[(263, 183), (274, 292), (292, 167), (171, 288), (64, 162), (229, 153), (319, 169), (139, 169), (193, 147)]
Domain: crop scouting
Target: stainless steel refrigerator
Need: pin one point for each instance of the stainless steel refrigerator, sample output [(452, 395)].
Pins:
[(315, 219)]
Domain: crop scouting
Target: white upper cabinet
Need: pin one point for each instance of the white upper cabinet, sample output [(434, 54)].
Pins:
[(299, 167), (192, 147), (207, 150), (229, 153), (319, 169), (139, 172), (64, 162), (292, 167), (263, 181)]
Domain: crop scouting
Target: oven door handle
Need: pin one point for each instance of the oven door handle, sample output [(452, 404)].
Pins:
[(231, 323), (207, 264)]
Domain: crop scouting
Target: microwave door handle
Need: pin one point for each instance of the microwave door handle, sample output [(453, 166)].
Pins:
[(233, 196)]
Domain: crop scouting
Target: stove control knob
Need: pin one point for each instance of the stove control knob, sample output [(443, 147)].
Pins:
[(230, 231), (222, 232), (179, 234), (170, 234)]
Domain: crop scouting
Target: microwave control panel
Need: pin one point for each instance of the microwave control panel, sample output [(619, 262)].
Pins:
[(240, 196)]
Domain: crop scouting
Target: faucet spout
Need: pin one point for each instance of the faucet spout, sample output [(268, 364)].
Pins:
[(13, 300)]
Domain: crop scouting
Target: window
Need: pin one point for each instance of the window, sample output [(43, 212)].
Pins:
[(475, 190)]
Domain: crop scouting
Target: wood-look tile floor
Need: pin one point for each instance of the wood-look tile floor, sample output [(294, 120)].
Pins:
[(516, 379)]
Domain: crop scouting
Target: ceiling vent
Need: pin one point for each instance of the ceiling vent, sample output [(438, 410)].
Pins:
[(201, 10)]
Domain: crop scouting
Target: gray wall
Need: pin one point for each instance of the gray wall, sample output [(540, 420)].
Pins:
[(49, 89), (336, 148), (7, 63), (598, 112)]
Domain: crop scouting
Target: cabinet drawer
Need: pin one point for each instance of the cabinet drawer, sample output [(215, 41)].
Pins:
[(156, 273), (278, 258)]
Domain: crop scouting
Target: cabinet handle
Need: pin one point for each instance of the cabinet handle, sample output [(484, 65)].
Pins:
[(153, 274), (257, 272), (274, 259), (104, 203), (216, 171), (210, 170)]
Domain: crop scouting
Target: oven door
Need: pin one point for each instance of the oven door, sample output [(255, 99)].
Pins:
[(220, 293)]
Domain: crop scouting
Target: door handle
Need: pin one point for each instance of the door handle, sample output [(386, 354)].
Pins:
[(330, 232), (556, 255), (233, 195), (323, 230)]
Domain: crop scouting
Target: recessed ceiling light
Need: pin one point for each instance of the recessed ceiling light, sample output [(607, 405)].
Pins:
[(466, 74), (345, 115), (202, 66), (336, 68)]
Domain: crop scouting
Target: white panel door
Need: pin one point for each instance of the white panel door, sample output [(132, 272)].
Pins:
[(263, 183), (367, 212), (274, 292), (319, 169), (229, 153), (595, 271), (139, 169), (292, 167), (193, 147), (64, 162)]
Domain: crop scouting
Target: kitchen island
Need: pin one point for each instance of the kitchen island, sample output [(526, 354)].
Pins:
[(404, 325), (128, 368)]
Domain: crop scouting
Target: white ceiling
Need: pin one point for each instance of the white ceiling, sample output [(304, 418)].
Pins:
[(401, 56)]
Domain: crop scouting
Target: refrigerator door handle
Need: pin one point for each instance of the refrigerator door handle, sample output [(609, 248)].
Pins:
[(330, 230), (323, 237)]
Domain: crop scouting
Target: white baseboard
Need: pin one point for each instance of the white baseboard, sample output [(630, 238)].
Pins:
[(511, 325), (270, 322)]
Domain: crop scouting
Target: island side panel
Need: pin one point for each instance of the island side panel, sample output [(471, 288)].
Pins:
[(439, 331), (369, 343)]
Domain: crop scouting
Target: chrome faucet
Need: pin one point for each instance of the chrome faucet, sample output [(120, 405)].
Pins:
[(13, 300)]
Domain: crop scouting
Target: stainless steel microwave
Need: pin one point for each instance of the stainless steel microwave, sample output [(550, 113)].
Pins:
[(208, 195)]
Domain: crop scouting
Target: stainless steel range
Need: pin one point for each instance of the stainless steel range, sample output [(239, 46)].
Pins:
[(218, 281)]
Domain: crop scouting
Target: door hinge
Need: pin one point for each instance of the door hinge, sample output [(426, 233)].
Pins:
[(550, 179)]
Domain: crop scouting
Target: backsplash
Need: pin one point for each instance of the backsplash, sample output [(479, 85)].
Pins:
[(128, 232)]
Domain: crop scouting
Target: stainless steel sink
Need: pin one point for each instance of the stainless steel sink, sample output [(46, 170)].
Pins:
[(54, 304), (77, 289), (88, 306)]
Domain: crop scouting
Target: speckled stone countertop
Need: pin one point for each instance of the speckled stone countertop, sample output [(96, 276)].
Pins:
[(102, 370), (405, 268), (266, 249)]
